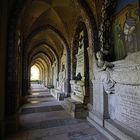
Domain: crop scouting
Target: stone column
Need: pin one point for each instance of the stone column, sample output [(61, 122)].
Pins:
[(3, 21), (12, 90), (68, 74), (100, 104), (12, 70), (26, 80), (91, 74)]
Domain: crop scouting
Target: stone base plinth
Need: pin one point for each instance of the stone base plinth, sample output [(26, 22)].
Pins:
[(119, 130), (97, 117), (110, 128), (78, 98), (54, 92), (104, 131), (76, 109), (58, 94)]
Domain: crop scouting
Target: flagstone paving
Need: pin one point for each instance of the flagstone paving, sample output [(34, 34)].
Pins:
[(43, 118)]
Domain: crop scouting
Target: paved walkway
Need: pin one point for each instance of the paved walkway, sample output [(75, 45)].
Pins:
[(43, 118)]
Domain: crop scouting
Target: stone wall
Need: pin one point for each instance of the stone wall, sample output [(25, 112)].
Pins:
[(3, 20), (124, 107)]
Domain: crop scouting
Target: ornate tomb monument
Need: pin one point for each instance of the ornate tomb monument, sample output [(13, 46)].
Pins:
[(116, 99), (78, 84), (77, 104)]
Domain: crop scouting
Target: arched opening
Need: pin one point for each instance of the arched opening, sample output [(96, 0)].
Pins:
[(34, 74), (59, 47)]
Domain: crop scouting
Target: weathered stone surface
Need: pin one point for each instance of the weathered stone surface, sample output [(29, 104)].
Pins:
[(78, 90), (98, 96), (125, 107), (75, 108), (127, 71), (60, 96)]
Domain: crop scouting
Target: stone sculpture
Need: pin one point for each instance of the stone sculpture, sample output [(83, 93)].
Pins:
[(126, 71), (104, 69)]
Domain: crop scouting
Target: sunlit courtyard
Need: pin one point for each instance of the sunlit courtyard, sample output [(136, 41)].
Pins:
[(34, 73)]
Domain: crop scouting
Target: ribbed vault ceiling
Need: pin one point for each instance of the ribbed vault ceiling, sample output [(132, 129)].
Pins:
[(46, 28), (58, 13), (44, 43)]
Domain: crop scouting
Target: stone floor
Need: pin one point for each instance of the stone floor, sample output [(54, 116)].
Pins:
[(43, 118)]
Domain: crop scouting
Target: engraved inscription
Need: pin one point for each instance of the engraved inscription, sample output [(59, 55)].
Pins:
[(78, 90), (80, 58), (128, 106)]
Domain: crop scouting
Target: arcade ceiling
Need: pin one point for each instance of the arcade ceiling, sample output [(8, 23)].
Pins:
[(48, 26)]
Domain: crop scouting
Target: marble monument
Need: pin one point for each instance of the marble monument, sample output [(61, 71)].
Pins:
[(116, 97)]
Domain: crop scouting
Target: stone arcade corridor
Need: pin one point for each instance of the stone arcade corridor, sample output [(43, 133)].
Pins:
[(43, 118), (69, 69)]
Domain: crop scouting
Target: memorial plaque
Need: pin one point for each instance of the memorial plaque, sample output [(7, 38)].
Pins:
[(78, 90), (78, 86), (80, 55), (128, 106)]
